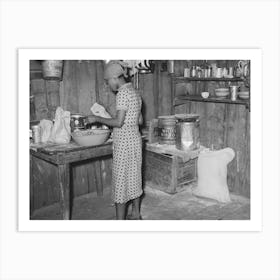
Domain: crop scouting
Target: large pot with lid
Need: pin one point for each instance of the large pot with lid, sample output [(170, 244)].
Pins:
[(187, 132)]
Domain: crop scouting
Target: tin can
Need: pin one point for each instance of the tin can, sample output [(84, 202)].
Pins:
[(170, 66), (233, 92), (187, 72), (167, 129), (36, 134)]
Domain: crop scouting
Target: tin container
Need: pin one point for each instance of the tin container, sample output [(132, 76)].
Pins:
[(77, 122), (170, 66), (187, 132), (233, 92), (187, 72), (167, 129), (36, 134)]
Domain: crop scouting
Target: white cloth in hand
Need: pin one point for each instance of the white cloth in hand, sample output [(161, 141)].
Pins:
[(99, 110)]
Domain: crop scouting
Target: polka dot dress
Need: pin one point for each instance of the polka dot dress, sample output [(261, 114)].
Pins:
[(127, 143)]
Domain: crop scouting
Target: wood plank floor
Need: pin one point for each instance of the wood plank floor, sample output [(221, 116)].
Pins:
[(156, 205)]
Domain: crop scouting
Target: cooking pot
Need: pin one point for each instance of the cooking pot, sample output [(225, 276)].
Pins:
[(77, 122)]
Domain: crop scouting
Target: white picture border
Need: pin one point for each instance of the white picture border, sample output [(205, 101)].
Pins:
[(255, 222)]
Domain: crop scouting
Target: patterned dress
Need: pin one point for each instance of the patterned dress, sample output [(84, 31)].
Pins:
[(127, 144)]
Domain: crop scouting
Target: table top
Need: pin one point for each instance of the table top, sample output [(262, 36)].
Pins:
[(71, 152), (172, 150), (52, 148)]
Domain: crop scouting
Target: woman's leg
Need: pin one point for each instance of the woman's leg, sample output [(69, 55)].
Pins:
[(120, 211), (136, 208)]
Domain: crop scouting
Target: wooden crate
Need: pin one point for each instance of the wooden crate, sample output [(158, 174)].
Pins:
[(167, 172)]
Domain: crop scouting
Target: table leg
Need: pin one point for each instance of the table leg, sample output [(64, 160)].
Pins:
[(31, 187), (64, 187), (98, 176)]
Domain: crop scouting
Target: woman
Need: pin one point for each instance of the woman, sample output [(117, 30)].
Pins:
[(127, 142)]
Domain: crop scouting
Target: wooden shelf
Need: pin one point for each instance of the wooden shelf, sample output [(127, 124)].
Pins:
[(178, 79), (179, 100)]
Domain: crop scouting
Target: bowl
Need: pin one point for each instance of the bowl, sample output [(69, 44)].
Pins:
[(222, 92), (243, 94), (90, 137), (205, 94)]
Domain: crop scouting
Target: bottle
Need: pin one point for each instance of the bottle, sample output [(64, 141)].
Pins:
[(193, 72), (170, 66)]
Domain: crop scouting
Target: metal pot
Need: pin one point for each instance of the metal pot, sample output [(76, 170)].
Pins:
[(187, 132), (77, 122)]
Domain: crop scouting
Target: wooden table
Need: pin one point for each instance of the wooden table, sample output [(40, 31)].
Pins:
[(62, 156)]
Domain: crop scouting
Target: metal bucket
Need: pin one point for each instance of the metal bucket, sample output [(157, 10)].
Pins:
[(52, 69), (187, 133), (167, 130)]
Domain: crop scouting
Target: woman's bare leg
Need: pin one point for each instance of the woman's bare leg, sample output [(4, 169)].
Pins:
[(136, 208), (120, 211)]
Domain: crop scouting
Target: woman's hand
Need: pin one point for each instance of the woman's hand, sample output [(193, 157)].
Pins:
[(92, 119)]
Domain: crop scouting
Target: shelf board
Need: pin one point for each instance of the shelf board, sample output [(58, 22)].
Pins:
[(179, 100), (185, 79)]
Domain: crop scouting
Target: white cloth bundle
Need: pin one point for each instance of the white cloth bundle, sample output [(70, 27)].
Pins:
[(99, 110), (61, 132)]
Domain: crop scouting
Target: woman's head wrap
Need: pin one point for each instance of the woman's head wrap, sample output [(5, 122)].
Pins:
[(115, 69)]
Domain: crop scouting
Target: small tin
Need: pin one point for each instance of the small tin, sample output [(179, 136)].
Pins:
[(36, 134), (187, 72)]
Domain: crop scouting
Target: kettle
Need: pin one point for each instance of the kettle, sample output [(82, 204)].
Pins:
[(243, 67)]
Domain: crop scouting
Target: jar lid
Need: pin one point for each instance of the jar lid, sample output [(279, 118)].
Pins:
[(187, 117)]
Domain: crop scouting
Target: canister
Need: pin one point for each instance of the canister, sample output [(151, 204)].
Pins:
[(77, 122), (170, 66), (233, 92), (36, 134), (187, 72), (167, 129), (187, 132)]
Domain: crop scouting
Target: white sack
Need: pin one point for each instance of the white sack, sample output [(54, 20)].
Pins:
[(212, 174), (61, 132)]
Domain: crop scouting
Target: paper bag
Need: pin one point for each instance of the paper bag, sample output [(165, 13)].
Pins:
[(61, 132)]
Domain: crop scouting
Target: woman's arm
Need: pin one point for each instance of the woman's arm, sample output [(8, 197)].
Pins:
[(118, 121)]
